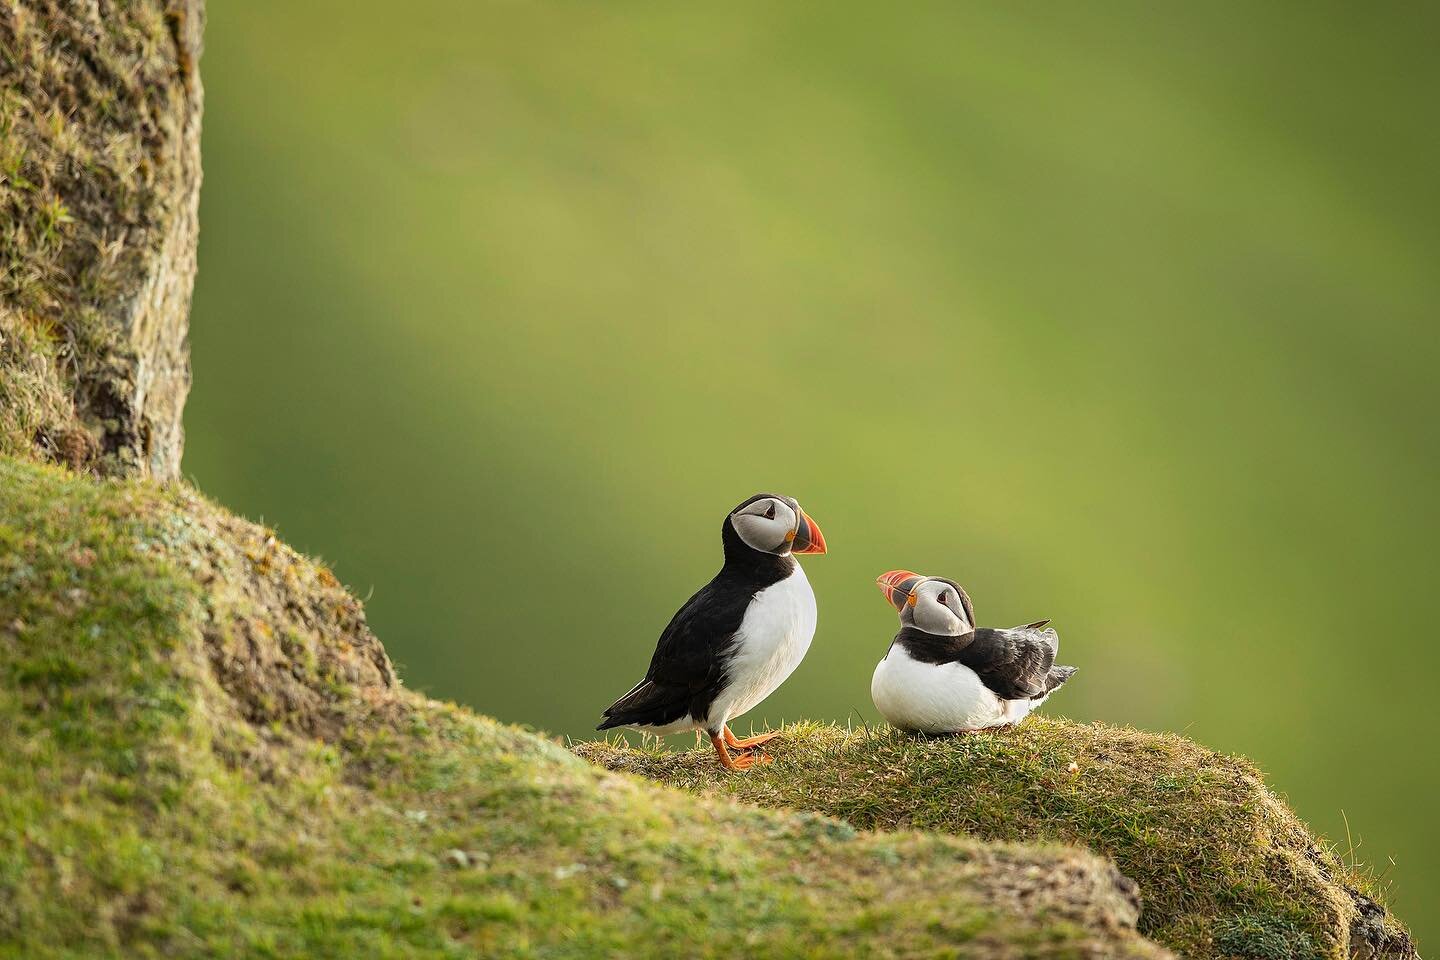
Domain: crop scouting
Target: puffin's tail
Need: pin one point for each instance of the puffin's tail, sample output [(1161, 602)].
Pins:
[(1057, 677), (647, 704)]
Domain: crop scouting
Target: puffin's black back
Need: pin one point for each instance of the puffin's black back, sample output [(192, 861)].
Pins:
[(1016, 664), (687, 671)]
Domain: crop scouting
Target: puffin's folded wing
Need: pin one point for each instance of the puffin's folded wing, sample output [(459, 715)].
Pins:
[(686, 670), (1014, 663)]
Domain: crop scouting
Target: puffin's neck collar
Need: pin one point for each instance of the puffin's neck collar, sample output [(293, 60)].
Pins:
[(745, 560), (931, 647)]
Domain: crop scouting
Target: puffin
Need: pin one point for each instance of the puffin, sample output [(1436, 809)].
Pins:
[(941, 674), (737, 639)]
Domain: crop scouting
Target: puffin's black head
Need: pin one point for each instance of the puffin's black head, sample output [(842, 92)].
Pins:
[(774, 524), (933, 604)]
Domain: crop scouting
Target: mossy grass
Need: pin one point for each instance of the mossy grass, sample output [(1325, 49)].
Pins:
[(1224, 867), (205, 753)]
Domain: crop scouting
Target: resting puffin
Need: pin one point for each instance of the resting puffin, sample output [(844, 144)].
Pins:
[(735, 640), (942, 675)]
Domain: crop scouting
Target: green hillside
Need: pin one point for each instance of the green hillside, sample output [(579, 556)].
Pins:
[(208, 754)]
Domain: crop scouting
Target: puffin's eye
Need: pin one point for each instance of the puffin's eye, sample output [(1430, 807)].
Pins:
[(944, 598), (770, 511)]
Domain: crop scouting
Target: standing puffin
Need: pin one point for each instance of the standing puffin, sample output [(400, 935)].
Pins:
[(735, 640), (943, 675)]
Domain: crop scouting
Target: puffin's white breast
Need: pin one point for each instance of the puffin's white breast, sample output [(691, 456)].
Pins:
[(934, 697), (774, 634)]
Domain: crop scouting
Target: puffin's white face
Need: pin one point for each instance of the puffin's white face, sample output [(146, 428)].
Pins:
[(774, 524), (933, 604), (767, 524), (937, 609)]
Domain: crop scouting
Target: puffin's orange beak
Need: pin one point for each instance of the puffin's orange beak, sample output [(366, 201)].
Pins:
[(897, 585), (808, 539)]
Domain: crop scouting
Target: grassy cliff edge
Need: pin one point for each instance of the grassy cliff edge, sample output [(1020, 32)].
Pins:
[(1224, 866), (205, 752)]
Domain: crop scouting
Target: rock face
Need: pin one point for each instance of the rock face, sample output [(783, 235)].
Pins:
[(100, 108)]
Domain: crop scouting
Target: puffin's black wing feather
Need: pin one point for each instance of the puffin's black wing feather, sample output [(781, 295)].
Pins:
[(646, 703), (1014, 663), (688, 668)]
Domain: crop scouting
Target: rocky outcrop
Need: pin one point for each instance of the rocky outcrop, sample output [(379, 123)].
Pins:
[(100, 107)]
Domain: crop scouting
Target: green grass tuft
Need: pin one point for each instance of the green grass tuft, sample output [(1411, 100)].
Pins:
[(1263, 938)]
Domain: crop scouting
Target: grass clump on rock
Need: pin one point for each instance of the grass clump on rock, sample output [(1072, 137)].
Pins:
[(204, 752), (1225, 868)]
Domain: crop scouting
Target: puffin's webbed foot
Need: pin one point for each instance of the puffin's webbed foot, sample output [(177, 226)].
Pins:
[(749, 742), (740, 761)]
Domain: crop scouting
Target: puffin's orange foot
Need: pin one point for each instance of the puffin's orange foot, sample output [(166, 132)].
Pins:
[(748, 742), (738, 761), (748, 759)]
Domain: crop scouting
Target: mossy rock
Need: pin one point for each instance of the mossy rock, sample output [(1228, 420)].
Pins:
[(99, 216), (204, 752), (1225, 868)]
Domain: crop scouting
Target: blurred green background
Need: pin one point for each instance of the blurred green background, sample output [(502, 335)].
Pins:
[(1124, 315)]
